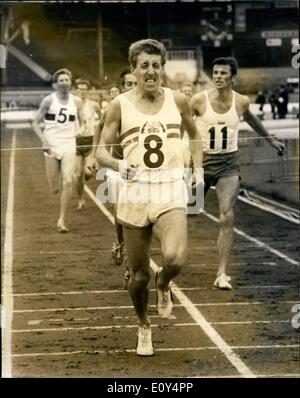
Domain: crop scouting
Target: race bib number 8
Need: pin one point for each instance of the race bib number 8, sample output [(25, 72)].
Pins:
[(151, 145), (153, 157)]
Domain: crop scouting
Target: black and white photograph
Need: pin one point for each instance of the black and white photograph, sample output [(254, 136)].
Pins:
[(150, 191)]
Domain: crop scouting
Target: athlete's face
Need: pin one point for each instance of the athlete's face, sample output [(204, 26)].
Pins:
[(187, 91), (82, 91), (114, 92), (149, 71), (129, 82), (63, 83), (222, 76)]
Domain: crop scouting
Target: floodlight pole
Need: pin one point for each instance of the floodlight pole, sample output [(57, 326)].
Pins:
[(3, 39), (100, 46)]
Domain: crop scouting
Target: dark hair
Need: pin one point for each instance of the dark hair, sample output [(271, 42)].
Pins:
[(82, 81), (149, 46), (232, 62), (114, 86), (124, 72), (63, 71)]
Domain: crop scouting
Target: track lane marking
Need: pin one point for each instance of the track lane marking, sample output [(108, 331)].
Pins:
[(129, 351), (61, 309), (269, 210), (125, 291), (105, 327), (8, 301)]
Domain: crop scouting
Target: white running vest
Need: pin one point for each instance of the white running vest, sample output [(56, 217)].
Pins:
[(219, 131), (89, 116), (60, 119), (152, 142)]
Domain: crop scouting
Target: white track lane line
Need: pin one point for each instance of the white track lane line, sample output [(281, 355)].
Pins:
[(8, 302), (151, 290), (193, 311), (99, 204), (268, 210), (105, 327), (257, 242), (62, 309), (129, 351), (53, 320)]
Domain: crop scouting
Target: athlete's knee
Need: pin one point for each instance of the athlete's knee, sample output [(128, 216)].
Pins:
[(67, 182), (174, 259), (78, 176), (227, 218), (141, 277)]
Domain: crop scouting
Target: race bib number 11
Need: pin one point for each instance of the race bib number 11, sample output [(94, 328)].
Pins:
[(218, 137)]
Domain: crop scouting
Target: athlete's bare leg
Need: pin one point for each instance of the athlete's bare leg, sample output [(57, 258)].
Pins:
[(67, 172), (53, 173), (171, 230), (119, 231), (227, 189), (138, 241), (118, 226), (118, 244), (79, 180)]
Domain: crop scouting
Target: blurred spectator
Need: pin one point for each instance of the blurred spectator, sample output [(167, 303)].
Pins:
[(261, 100), (113, 92), (273, 103), (76, 80), (200, 85), (187, 88), (282, 102), (180, 78), (13, 104), (295, 112), (127, 79)]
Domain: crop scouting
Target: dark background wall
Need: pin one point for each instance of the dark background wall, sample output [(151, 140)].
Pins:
[(66, 34)]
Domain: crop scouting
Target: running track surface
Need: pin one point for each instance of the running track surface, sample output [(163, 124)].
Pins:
[(72, 318)]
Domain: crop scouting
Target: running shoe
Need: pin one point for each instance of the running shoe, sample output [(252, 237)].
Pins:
[(81, 204), (61, 227), (144, 343), (222, 282)]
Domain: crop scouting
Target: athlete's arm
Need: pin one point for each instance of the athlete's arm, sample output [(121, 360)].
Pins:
[(80, 116), (97, 134), (92, 163), (257, 126), (97, 109), (198, 104), (190, 127), (43, 109), (108, 136)]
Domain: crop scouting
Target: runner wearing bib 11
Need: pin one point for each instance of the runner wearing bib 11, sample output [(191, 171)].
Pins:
[(218, 112)]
